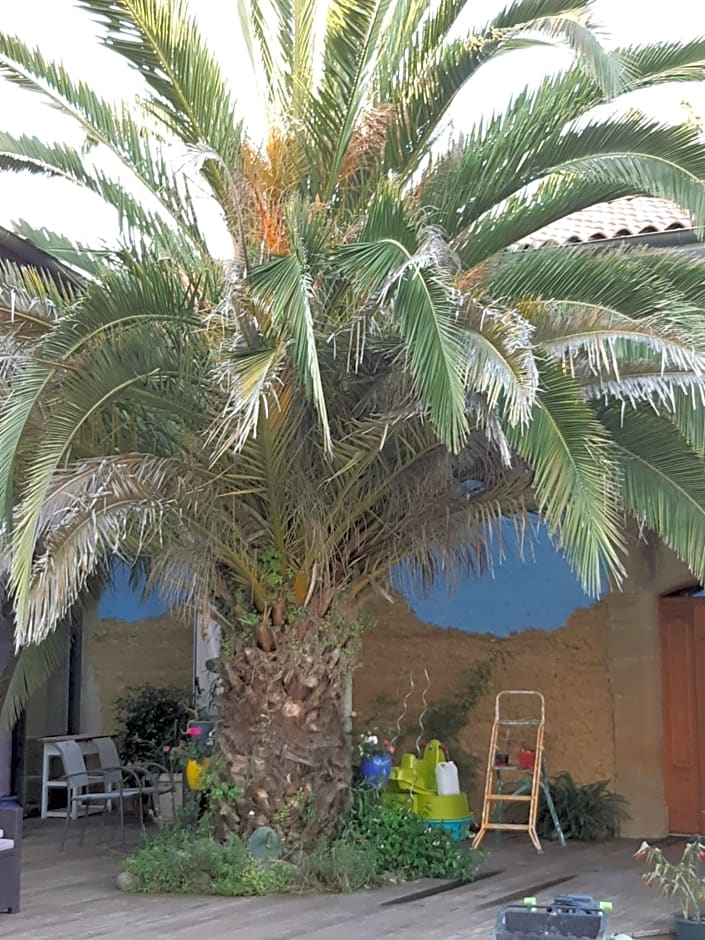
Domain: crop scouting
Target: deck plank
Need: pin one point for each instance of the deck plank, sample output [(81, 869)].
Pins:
[(72, 896)]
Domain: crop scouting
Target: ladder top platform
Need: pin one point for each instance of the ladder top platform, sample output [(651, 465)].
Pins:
[(519, 721)]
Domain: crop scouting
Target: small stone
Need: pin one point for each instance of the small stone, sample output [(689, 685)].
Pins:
[(126, 881)]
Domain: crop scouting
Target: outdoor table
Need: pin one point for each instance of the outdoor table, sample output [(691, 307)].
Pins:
[(50, 755)]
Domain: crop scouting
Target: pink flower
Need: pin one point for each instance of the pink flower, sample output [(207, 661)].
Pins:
[(166, 748), (193, 732)]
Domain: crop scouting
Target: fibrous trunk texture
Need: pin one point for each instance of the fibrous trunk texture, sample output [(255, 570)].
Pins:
[(282, 732)]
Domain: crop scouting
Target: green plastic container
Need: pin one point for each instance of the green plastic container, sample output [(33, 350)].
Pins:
[(412, 785), (458, 828)]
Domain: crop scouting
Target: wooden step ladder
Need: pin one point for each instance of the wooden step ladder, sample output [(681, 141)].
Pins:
[(528, 792)]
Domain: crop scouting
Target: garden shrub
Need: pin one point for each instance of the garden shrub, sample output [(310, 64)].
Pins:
[(402, 845), (151, 718), (341, 866), (188, 860), (375, 845), (588, 813)]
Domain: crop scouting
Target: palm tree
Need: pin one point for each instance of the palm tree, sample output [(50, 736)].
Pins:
[(376, 378)]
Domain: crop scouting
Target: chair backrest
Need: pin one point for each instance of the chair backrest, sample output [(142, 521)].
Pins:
[(74, 764), (109, 760)]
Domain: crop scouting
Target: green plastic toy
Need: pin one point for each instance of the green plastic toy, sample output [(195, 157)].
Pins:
[(412, 784)]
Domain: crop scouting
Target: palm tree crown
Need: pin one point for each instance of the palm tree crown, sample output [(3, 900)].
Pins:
[(376, 376)]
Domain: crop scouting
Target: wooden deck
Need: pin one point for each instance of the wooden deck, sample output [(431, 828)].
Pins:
[(74, 896)]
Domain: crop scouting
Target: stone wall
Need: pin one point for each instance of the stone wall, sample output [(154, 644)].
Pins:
[(118, 655), (568, 666), (600, 674)]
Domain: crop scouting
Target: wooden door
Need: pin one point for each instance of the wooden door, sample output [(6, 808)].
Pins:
[(682, 621)]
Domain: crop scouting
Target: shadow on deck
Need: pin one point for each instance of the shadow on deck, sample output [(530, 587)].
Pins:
[(73, 895)]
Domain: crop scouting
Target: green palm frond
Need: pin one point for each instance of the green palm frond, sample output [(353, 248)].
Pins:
[(663, 481), (424, 76), (686, 412), (575, 479), (81, 257), (637, 283), (352, 45), (162, 41), (33, 665), (665, 62), (102, 123), (525, 146), (414, 284), (285, 287), (30, 154)]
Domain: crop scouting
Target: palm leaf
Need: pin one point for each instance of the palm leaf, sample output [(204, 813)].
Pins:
[(162, 41), (665, 62), (663, 481), (285, 286), (30, 154), (574, 478), (31, 669), (114, 128), (92, 261), (354, 28)]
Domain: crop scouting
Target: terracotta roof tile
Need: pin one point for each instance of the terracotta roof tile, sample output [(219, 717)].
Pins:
[(631, 215)]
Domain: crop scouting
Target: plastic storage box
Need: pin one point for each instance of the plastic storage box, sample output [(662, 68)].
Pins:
[(569, 917)]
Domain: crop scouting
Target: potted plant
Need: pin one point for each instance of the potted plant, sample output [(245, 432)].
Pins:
[(375, 758), (682, 880)]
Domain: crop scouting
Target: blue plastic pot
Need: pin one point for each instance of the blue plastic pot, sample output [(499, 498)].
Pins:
[(690, 929), (376, 769)]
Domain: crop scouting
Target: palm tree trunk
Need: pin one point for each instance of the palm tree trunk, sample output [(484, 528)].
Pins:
[(282, 734)]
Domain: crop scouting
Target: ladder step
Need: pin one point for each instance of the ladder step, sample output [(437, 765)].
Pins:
[(509, 798), (519, 827)]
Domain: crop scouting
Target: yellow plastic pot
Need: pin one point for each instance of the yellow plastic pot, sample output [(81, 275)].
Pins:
[(194, 772)]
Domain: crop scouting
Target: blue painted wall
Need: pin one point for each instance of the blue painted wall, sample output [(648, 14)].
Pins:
[(538, 591), (121, 601)]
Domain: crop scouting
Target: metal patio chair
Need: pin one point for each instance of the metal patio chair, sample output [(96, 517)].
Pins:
[(81, 797), (148, 773)]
